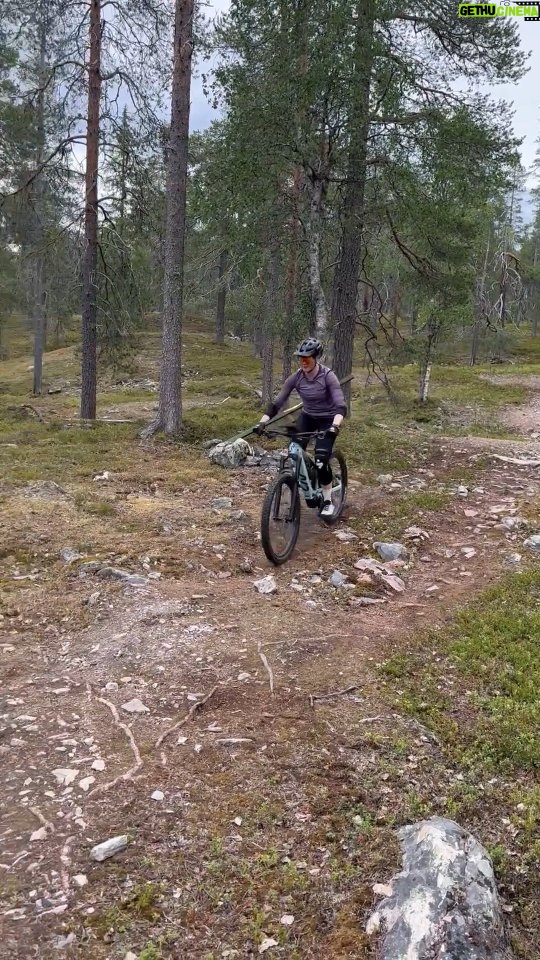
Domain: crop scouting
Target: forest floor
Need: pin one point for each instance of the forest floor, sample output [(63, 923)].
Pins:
[(261, 824)]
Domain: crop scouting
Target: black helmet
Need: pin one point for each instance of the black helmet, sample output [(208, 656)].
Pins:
[(309, 348)]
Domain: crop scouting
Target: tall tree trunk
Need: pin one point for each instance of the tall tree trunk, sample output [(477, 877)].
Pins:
[(312, 226), (89, 279), (291, 285), (426, 361), (352, 213), (38, 253), (170, 391), (269, 316), (479, 307), (221, 298)]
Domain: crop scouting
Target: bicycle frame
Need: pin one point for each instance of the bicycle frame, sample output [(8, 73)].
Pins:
[(298, 455)]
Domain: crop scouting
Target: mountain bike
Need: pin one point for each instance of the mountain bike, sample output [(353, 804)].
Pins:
[(297, 478)]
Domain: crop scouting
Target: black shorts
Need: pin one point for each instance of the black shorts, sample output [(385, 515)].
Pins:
[(306, 423)]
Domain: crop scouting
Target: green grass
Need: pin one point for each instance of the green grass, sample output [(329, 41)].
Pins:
[(493, 647)]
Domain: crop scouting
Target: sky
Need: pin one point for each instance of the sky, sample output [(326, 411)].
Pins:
[(524, 95)]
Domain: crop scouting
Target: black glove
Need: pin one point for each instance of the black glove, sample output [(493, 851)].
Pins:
[(260, 429), (333, 430)]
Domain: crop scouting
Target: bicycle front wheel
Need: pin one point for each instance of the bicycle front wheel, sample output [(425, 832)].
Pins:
[(280, 519)]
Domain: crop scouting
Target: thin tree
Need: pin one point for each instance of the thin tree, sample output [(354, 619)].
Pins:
[(169, 417)]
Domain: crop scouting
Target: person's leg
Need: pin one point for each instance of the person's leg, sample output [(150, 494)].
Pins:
[(323, 453), (305, 424)]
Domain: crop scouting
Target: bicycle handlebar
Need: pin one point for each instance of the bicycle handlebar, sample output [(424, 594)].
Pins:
[(291, 432)]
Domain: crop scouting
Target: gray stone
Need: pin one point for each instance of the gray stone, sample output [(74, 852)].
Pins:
[(338, 579), (135, 706), (391, 551), (384, 478), (444, 904), (90, 568), (533, 543), (102, 851), (114, 573), (230, 455), (61, 942), (210, 444), (70, 555), (266, 585), (222, 503), (238, 515)]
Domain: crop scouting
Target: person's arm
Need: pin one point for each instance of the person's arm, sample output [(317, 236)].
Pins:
[(339, 407), (283, 395)]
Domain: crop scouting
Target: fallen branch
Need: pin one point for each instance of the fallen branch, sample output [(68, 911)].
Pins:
[(44, 822), (520, 462), (328, 696), (65, 864), (268, 669), (176, 726), (103, 788)]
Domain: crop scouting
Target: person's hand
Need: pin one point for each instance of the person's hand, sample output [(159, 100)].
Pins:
[(333, 430), (260, 429)]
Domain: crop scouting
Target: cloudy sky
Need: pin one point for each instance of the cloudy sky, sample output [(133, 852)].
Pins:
[(523, 95)]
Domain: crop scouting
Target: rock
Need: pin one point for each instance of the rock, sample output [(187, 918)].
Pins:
[(98, 765), (416, 533), (70, 555), (267, 943), (391, 551), (384, 478), (86, 783), (238, 515), (366, 601), (513, 523), (533, 543), (337, 579), (65, 777), (266, 585), (61, 942), (90, 568), (102, 851), (393, 582), (373, 566), (462, 490), (130, 956), (40, 834), (346, 535), (230, 455), (135, 706), (157, 795), (45, 490), (287, 919), (208, 444), (444, 903), (113, 573), (80, 880), (105, 476), (245, 567), (222, 503)]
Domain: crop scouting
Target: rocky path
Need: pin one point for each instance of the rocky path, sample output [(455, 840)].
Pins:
[(199, 718)]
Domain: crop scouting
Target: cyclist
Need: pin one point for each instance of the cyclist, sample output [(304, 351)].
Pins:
[(324, 409)]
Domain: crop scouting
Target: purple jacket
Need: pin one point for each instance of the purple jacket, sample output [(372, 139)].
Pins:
[(321, 396)]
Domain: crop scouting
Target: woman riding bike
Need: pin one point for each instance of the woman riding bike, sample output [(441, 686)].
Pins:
[(324, 409)]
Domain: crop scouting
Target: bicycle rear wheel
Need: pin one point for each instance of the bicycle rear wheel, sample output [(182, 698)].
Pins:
[(338, 467), (280, 519)]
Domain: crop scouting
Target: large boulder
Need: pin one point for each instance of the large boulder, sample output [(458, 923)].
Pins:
[(444, 904), (230, 455)]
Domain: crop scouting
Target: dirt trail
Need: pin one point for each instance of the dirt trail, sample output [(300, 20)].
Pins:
[(258, 774)]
